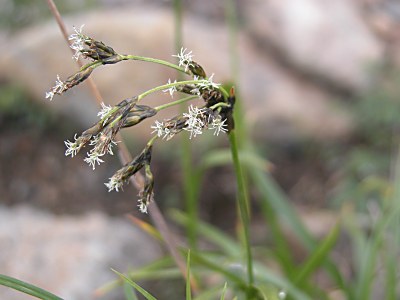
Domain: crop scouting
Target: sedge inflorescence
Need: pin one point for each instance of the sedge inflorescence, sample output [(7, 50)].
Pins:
[(100, 138)]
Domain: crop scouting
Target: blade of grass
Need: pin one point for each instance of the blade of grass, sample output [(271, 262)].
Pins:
[(217, 267), (224, 291), (281, 251), (137, 287), (211, 233), (391, 281), (188, 288), (318, 256), (129, 292), (27, 288), (223, 157), (265, 276), (271, 193), (209, 293), (158, 269), (273, 196), (268, 292), (146, 227)]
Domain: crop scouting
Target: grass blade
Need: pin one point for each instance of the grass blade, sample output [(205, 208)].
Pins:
[(318, 256), (129, 292), (137, 287), (213, 234), (146, 227), (188, 287), (271, 193), (209, 293), (217, 267), (27, 288), (224, 291), (265, 276)]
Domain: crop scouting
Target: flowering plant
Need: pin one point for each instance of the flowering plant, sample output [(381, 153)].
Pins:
[(216, 114)]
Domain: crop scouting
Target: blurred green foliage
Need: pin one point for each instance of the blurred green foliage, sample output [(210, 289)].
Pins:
[(366, 164)]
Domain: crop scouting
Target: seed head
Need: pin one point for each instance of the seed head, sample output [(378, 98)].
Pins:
[(185, 58), (78, 42), (218, 125), (58, 88), (171, 90)]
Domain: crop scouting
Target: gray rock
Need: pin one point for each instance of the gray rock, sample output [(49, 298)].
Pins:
[(69, 256), (328, 39)]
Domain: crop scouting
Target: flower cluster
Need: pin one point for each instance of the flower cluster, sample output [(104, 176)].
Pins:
[(186, 60), (122, 176), (89, 48), (78, 42), (59, 88), (85, 47), (194, 121), (172, 89), (215, 115), (102, 135)]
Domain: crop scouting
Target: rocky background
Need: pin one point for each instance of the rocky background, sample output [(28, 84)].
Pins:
[(318, 80)]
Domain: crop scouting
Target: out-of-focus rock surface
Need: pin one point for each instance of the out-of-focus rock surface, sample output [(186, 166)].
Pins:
[(70, 256), (325, 39), (279, 102)]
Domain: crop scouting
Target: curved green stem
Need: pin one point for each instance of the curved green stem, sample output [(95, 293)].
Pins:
[(173, 103), (96, 64), (218, 105), (154, 60), (167, 86), (151, 141), (93, 65)]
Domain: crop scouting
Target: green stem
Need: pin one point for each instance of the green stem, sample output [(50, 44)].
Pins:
[(173, 84), (154, 60), (151, 141), (173, 103), (178, 13), (218, 105), (93, 65), (243, 205)]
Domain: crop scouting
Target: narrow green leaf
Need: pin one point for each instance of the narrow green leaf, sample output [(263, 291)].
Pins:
[(142, 291), (224, 291), (223, 157), (367, 268), (391, 277), (188, 287), (318, 256), (211, 233), (159, 269), (268, 292), (218, 267), (210, 293), (27, 288), (129, 292), (273, 196), (266, 276), (271, 193)]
